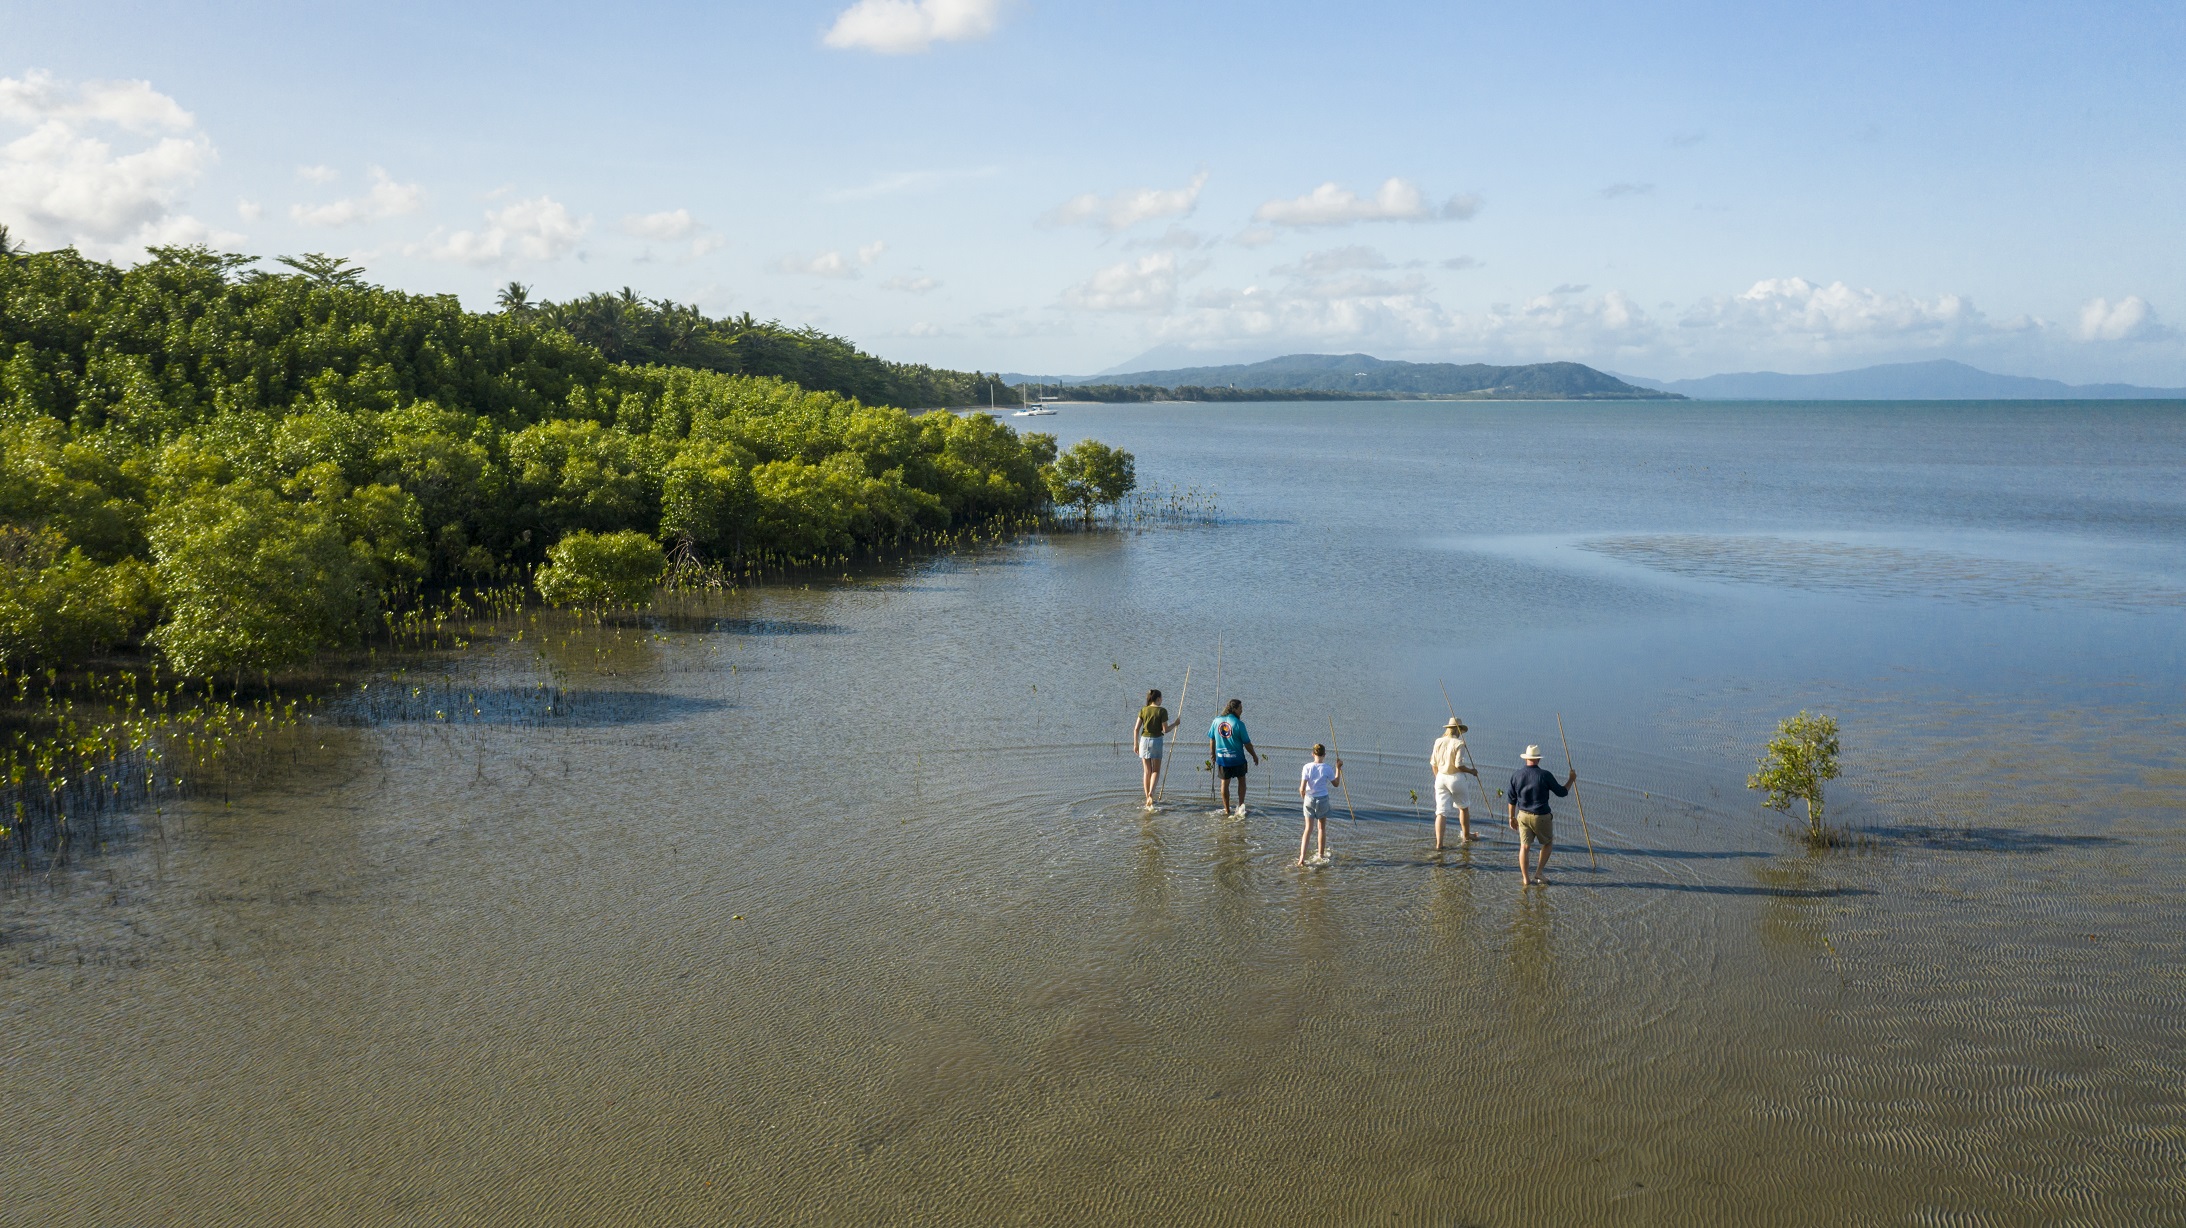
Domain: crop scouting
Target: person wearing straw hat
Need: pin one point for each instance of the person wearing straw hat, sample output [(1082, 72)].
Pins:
[(1530, 816), (1448, 761)]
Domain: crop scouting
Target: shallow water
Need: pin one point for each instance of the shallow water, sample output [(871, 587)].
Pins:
[(835, 904)]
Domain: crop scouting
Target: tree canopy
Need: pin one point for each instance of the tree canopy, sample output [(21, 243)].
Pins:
[(243, 467)]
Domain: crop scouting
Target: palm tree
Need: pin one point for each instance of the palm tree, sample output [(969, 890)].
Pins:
[(326, 272), (515, 298), (9, 245)]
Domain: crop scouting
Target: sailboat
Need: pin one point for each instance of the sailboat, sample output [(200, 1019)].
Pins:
[(1032, 409)]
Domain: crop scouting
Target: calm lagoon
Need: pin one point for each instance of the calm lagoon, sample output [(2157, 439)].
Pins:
[(834, 903)]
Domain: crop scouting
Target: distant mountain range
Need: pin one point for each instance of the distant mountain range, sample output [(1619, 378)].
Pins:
[(1941, 380), (1333, 376), (1365, 376)]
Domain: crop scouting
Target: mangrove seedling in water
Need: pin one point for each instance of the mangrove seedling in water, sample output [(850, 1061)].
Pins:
[(1794, 766)]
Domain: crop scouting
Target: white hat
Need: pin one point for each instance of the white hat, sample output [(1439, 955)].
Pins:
[(1456, 724), (1532, 752)]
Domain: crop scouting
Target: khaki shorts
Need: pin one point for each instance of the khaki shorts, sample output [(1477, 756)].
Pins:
[(1540, 827)]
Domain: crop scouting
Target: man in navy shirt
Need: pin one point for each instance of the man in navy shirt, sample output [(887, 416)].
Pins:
[(1530, 817)]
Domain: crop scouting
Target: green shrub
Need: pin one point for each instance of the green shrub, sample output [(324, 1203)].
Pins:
[(601, 569), (1091, 475), (252, 581), (58, 605)]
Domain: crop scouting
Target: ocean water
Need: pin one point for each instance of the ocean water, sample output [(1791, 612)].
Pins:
[(832, 901)]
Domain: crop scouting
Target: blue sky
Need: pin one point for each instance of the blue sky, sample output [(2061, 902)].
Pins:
[(1039, 185)]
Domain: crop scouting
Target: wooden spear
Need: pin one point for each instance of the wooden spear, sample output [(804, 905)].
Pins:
[(1161, 786), (1333, 753), (1575, 793)]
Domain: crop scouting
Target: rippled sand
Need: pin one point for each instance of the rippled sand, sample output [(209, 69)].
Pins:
[(482, 974)]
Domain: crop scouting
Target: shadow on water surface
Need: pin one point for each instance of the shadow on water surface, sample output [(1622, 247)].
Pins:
[(1982, 839), (705, 624)]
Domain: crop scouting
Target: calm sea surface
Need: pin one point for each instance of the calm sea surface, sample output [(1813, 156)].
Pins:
[(834, 904)]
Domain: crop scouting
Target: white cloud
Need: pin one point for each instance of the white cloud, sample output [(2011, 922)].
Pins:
[(666, 227), (1338, 260), (833, 264), (133, 106), (707, 244), (1148, 283), (1793, 307), (538, 229), (317, 174), (1174, 239), (1256, 236), (1129, 207), (1461, 262), (904, 27), (386, 199), (249, 210), (2128, 319), (910, 285), (63, 182), (1614, 190), (1395, 201)]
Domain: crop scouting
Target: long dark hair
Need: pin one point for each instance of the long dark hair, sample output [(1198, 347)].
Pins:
[(1153, 697), (1235, 707)]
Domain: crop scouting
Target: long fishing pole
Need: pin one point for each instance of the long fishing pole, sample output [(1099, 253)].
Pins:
[(1480, 786), (1575, 792), (1214, 772), (1161, 785), (1341, 783)]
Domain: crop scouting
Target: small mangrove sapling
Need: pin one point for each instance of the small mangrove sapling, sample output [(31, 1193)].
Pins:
[(1795, 765)]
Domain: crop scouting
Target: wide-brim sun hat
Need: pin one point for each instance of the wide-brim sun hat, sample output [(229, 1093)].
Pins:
[(1454, 723), (1532, 752)]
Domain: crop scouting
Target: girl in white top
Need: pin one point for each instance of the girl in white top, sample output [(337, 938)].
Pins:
[(1314, 782)]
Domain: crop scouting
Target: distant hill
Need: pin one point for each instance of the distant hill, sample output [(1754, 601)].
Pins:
[(1367, 376), (1941, 380)]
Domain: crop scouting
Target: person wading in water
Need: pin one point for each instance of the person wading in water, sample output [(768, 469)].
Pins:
[(1152, 729), (1228, 744), (1314, 782), (1530, 787), (1448, 761)]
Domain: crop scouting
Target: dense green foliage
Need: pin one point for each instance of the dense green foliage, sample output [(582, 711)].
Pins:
[(246, 467), (1795, 765), (627, 328), (602, 569)]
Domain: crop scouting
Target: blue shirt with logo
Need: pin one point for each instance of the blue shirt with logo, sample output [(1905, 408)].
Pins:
[(1229, 737)]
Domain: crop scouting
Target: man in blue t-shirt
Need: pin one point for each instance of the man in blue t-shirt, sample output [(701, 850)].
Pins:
[(1228, 743)]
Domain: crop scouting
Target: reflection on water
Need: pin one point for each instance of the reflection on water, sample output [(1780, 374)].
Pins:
[(838, 905)]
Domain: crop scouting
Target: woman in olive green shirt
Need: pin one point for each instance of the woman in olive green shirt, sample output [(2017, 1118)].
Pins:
[(1151, 731)]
